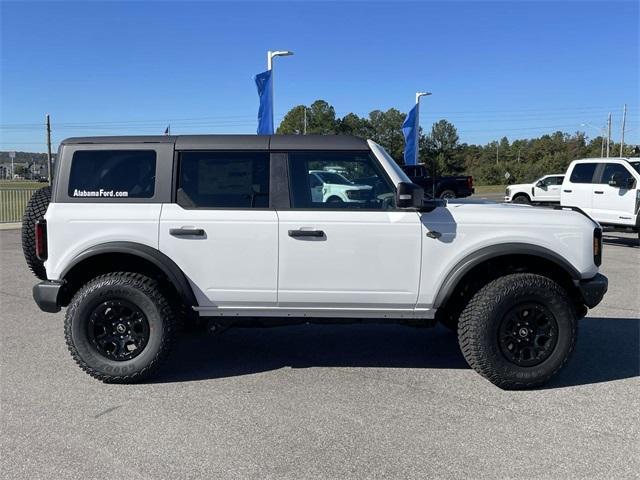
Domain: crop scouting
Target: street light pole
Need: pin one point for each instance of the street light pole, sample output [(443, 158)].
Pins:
[(624, 121), (417, 124), (608, 135), (270, 56)]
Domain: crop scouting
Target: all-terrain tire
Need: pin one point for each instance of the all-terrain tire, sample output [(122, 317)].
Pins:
[(479, 326), (145, 294), (36, 208)]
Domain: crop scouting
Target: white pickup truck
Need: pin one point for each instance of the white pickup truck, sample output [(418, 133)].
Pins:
[(543, 190), (141, 234)]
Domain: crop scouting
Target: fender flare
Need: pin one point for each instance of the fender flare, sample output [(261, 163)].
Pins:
[(457, 273), (173, 272)]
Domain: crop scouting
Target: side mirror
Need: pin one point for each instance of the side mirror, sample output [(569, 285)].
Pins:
[(618, 181), (409, 195), (540, 184)]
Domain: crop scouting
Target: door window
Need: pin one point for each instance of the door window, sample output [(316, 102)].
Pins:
[(223, 180), (583, 173), (343, 180), (612, 169)]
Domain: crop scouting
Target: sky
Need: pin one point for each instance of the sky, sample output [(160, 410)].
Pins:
[(516, 69)]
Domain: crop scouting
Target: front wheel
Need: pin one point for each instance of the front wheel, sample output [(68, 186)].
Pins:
[(522, 199), (518, 331), (119, 327)]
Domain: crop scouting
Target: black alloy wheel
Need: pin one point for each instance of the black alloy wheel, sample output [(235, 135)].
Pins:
[(118, 330), (528, 334)]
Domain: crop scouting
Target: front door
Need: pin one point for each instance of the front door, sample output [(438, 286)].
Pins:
[(221, 232), (549, 189), (356, 253)]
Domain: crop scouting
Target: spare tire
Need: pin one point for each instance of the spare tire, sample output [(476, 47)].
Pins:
[(36, 208)]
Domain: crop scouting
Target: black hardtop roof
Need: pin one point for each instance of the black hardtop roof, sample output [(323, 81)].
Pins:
[(234, 142)]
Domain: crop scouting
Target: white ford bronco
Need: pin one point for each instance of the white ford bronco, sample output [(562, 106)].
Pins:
[(142, 234)]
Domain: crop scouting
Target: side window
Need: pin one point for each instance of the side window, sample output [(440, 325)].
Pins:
[(583, 173), (112, 174), (612, 169), (552, 181), (223, 180), (344, 180)]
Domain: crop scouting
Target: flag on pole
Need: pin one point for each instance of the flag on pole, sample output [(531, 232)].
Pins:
[(410, 131), (167, 131), (265, 112)]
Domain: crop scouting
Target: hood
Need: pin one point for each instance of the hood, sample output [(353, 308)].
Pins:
[(491, 213)]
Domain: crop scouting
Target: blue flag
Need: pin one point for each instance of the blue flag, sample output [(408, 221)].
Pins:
[(265, 112), (410, 131)]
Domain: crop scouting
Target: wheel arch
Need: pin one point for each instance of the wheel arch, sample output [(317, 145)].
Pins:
[(504, 258), (113, 256)]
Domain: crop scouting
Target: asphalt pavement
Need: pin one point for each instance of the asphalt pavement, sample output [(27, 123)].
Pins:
[(336, 402)]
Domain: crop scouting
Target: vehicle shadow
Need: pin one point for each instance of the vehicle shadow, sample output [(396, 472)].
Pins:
[(620, 241), (607, 349)]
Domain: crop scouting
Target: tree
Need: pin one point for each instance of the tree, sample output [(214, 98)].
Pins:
[(442, 148), (293, 121), (352, 124), (321, 120), (387, 131)]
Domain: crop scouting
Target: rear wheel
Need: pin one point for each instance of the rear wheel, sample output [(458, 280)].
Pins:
[(518, 331), (448, 193), (119, 327), (36, 208), (334, 199)]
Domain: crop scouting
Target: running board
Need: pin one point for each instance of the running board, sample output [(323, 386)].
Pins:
[(306, 312)]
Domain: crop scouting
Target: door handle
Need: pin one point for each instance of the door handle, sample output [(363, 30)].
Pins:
[(599, 192), (186, 232), (306, 233), (567, 191)]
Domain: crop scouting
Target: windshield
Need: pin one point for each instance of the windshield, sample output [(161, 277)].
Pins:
[(334, 178), (636, 165)]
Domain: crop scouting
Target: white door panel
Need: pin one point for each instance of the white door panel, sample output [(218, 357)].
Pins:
[(364, 259), (614, 205), (235, 263)]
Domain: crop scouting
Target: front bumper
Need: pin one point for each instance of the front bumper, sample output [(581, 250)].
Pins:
[(593, 289), (46, 296)]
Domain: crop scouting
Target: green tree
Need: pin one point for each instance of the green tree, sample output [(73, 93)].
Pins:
[(352, 124), (293, 122), (442, 148), (387, 131)]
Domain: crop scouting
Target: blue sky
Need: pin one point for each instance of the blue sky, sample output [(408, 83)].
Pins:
[(518, 69)]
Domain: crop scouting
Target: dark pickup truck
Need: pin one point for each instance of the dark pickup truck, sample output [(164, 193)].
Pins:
[(445, 187)]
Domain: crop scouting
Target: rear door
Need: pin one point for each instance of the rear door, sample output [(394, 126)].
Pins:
[(612, 204), (360, 254), (577, 188), (220, 229)]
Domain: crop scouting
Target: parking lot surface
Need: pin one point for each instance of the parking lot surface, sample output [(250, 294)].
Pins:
[(361, 401)]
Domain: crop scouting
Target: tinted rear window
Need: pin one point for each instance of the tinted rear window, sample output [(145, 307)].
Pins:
[(112, 174), (583, 173)]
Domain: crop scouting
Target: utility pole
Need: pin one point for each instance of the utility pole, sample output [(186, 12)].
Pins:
[(608, 135), (624, 120), (497, 153), (304, 127), (49, 160)]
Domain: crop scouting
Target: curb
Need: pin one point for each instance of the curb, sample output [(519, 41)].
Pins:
[(10, 226)]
